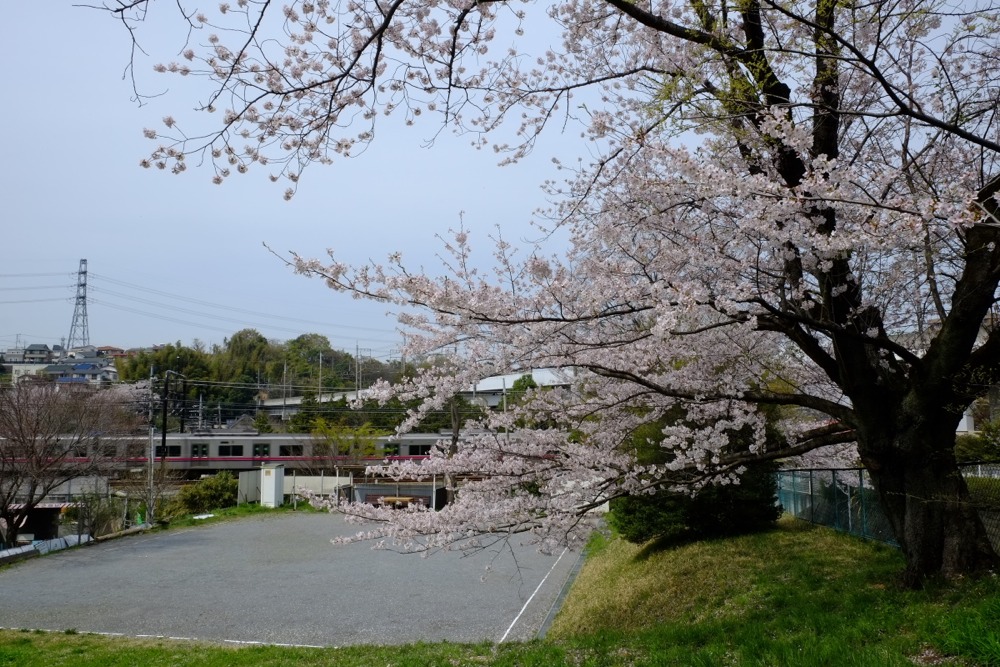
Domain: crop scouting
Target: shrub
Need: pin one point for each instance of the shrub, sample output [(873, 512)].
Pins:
[(207, 494), (734, 509), (715, 510), (983, 447), (641, 518), (96, 513)]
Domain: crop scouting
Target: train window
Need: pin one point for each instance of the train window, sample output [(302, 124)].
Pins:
[(172, 450), (262, 449), (390, 449), (199, 450), (230, 450), (290, 450), (420, 450)]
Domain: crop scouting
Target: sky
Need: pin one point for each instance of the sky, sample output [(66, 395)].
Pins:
[(177, 258)]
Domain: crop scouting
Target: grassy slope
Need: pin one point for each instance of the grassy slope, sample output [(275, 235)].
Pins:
[(798, 595)]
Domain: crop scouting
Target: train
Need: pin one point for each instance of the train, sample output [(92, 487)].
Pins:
[(199, 453)]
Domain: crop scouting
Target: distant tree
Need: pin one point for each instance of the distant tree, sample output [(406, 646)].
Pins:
[(304, 354), (50, 435), (385, 416), (302, 420), (334, 441), (521, 387), (191, 362), (262, 423), (232, 377), (241, 367)]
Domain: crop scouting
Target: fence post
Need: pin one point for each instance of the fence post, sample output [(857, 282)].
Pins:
[(850, 509), (836, 500), (800, 499), (811, 500), (864, 508)]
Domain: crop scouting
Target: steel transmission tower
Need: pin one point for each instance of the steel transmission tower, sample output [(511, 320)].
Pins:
[(79, 333)]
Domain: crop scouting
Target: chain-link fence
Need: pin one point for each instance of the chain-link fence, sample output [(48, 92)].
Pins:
[(846, 500)]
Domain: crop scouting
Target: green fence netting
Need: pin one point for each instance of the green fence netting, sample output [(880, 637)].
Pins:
[(846, 500)]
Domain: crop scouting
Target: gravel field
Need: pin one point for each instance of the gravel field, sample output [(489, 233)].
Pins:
[(276, 579)]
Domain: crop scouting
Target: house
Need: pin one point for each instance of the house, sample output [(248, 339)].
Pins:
[(37, 353), (86, 372), (22, 371)]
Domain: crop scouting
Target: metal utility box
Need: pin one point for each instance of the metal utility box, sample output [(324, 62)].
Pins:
[(272, 485)]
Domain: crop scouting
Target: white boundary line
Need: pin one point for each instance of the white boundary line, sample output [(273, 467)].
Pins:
[(532, 597), (183, 639), (241, 642)]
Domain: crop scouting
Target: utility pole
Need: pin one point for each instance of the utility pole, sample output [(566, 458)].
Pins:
[(152, 452), (163, 432), (402, 354), (184, 384), (284, 390)]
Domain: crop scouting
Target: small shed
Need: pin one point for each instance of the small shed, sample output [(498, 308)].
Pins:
[(272, 485)]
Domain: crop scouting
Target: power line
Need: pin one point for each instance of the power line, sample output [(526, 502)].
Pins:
[(38, 300), (35, 275), (217, 306), (228, 330), (166, 318), (156, 305)]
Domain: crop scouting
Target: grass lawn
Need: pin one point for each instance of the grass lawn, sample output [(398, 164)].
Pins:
[(797, 595)]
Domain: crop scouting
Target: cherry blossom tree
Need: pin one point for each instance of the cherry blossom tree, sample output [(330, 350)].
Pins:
[(794, 204)]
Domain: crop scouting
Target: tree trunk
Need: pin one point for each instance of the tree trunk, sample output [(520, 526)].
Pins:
[(12, 522), (928, 505)]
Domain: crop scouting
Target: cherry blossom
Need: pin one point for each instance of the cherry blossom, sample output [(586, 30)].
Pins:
[(793, 204)]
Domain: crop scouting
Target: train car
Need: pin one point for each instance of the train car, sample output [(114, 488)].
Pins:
[(194, 454)]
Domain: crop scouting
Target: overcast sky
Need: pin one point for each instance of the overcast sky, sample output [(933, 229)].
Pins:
[(176, 258)]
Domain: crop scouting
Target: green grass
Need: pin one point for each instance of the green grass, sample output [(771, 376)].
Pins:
[(984, 491), (239, 511), (796, 596)]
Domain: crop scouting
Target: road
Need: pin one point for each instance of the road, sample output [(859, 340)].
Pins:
[(276, 579)]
